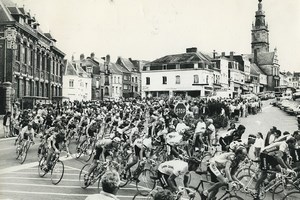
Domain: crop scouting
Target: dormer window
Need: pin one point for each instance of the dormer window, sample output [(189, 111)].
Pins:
[(89, 70)]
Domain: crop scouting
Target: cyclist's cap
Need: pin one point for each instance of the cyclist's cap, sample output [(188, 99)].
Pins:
[(117, 140), (290, 139)]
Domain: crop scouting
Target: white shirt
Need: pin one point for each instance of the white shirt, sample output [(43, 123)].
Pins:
[(177, 167), (201, 127), (259, 143), (181, 127)]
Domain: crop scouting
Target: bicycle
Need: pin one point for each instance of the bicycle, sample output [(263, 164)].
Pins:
[(86, 147), (22, 150), (56, 167), (276, 186), (96, 174), (293, 195)]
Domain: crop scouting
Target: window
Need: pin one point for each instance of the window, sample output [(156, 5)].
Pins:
[(164, 80), (147, 80), (196, 79), (71, 83), (136, 88), (86, 85), (207, 79), (118, 79), (125, 87), (136, 79), (97, 84), (89, 70), (132, 79), (113, 89), (115, 80), (106, 91), (177, 79)]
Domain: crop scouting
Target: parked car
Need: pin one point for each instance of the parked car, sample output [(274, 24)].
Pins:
[(297, 110), (296, 95), (290, 109)]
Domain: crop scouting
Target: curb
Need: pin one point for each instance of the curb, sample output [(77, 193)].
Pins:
[(6, 139)]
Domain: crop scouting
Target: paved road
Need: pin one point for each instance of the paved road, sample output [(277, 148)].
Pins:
[(22, 181)]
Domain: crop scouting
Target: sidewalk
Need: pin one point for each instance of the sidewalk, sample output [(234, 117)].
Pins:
[(1, 127)]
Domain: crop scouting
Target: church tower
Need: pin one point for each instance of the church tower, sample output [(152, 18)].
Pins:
[(260, 32)]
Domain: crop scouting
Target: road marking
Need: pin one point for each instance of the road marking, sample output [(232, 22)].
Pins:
[(7, 148), (58, 194), (28, 165), (59, 186), (39, 178), (5, 139), (31, 173)]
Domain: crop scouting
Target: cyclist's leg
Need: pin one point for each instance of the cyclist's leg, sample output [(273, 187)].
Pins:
[(94, 164), (135, 158)]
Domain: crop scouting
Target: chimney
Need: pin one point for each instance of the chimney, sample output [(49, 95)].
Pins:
[(223, 54), (231, 55), (191, 50), (107, 58), (255, 56), (92, 55), (82, 56), (214, 54)]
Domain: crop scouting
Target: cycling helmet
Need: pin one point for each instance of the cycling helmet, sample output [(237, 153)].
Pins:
[(116, 139)]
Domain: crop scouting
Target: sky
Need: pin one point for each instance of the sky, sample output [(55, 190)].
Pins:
[(150, 29)]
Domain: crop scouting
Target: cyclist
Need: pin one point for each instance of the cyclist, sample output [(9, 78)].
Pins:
[(168, 172), (104, 148), (55, 144), (274, 157), (198, 136), (229, 161), (26, 133)]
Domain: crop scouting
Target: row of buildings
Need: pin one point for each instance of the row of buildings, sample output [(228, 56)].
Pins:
[(33, 68)]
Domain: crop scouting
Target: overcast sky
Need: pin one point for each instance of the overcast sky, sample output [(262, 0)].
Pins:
[(149, 29)]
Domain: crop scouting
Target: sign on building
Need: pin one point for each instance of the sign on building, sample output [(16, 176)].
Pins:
[(180, 110)]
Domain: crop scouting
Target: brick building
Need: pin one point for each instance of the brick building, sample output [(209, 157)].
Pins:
[(30, 62)]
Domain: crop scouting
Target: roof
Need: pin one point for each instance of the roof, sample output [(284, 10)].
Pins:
[(115, 68), (126, 63), (192, 57), (255, 70), (71, 70), (265, 58), (5, 13), (48, 35)]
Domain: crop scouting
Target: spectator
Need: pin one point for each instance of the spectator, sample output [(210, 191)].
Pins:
[(259, 144), (7, 124), (164, 195), (270, 136), (110, 182)]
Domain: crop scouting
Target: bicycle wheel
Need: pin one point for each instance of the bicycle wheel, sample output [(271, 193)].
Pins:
[(80, 149), (294, 195), (57, 172), (145, 182), (124, 182), (90, 151), (233, 197), (41, 170), (83, 180), (281, 190), (24, 154), (18, 151)]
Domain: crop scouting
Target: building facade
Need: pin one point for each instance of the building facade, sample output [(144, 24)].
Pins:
[(30, 62), (188, 74), (77, 84)]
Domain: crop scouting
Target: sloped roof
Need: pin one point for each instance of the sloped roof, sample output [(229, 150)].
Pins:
[(127, 63), (182, 58), (69, 69), (5, 13), (255, 70), (14, 11), (115, 68), (48, 35)]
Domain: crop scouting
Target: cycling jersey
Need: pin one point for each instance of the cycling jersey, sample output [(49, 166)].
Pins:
[(173, 138), (221, 160), (177, 167), (25, 133)]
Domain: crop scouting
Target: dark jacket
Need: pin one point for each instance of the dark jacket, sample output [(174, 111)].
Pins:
[(5, 119)]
